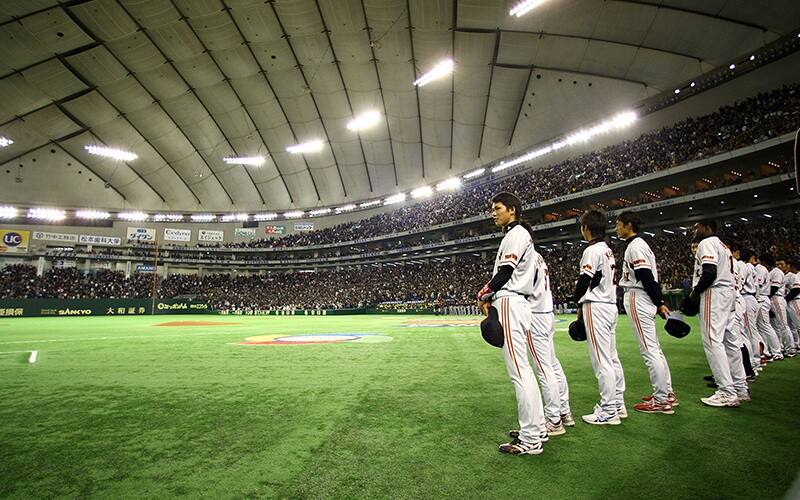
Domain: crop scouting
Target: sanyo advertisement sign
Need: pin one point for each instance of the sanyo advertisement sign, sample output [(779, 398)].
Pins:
[(141, 234)]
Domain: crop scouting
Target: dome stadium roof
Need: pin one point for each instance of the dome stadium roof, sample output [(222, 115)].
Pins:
[(184, 84)]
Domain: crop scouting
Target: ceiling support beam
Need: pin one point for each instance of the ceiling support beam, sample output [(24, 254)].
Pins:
[(521, 103), (571, 72), (453, 80), (695, 13), (489, 91), (413, 61)]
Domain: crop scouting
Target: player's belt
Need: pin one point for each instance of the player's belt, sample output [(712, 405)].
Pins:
[(509, 293), (750, 294), (632, 288)]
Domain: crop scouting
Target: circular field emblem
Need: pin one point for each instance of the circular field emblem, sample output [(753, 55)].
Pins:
[(315, 338)]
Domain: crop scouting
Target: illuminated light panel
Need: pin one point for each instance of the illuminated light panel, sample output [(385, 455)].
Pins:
[(92, 214), (345, 208), (116, 154), (167, 217), (306, 147), (449, 184), (203, 217), (524, 7), (132, 216), (442, 69), (420, 192), (369, 204), (235, 217), (5, 141), (396, 198), (474, 173), (364, 120), (668, 231), (732, 66), (8, 212), (319, 211), (266, 216), (255, 161), (294, 215), (50, 214)]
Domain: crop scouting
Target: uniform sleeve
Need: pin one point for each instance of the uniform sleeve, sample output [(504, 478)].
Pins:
[(589, 264), (638, 258), (706, 253), (513, 248), (796, 282), (775, 278)]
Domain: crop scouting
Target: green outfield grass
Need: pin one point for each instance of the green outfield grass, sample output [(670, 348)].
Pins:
[(118, 407)]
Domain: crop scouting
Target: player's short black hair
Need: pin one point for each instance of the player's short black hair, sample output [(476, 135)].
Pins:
[(709, 223), (746, 254), (733, 247), (631, 218), (595, 221), (509, 200), (767, 259)]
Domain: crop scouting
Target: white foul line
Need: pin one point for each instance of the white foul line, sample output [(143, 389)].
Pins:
[(115, 338)]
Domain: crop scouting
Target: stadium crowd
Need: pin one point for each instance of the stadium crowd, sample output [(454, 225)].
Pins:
[(452, 281), (743, 123)]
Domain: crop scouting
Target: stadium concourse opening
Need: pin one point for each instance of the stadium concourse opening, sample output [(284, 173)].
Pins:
[(324, 201)]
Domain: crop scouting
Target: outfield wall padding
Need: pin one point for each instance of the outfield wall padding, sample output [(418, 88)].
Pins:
[(20, 308)]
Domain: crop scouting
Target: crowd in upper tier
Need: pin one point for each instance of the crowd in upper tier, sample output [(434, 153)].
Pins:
[(453, 280), (743, 123)]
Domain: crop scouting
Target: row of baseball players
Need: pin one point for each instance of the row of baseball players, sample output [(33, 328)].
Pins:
[(733, 298)]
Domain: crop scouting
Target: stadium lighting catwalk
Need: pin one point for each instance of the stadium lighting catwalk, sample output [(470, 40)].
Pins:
[(132, 216), (116, 154), (442, 69), (255, 161), (92, 214), (524, 7), (8, 213)]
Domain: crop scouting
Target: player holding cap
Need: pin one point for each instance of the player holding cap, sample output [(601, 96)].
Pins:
[(762, 320), (555, 391), (596, 296), (778, 305), (642, 301), (793, 298), (512, 281)]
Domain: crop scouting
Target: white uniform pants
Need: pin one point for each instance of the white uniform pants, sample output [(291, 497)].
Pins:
[(780, 323), (733, 345), (641, 312), (793, 314), (601, 324), (765, 328), (751, 330), (555, 391), (716, 307), (515, 316)]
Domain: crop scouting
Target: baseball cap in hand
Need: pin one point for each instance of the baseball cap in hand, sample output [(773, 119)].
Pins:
[(577, 330), (676, 326), (491, 329)]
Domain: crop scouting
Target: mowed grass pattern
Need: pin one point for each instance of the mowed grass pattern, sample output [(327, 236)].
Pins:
[(120, 408)]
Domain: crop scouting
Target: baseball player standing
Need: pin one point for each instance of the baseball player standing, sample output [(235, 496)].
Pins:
[(596, 296), (793, 298), (778, 305), (762, 320), (643, 301), (748, 272), (712, 289), (512, 281), (555, 391)]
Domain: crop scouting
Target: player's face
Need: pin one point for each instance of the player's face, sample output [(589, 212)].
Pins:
[(782, 266), (501, 214), (700, 231), (623, 230)]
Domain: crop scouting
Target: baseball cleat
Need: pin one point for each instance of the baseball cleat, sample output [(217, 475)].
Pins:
[(744, 396), (543, 437), (709, 378), (518, 447), (555, 429), (672, 399), (567, 420), (601, 417), (622, 411), (654, 406), (720, 400)]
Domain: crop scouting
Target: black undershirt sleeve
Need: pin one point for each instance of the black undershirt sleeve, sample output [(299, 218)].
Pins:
[(501, 278), (706, 279), (580, 288), (773, 290), (650, 286), (792, 294)]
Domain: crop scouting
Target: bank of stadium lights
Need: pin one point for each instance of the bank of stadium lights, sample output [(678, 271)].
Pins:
[(296, 214), (474, 173), (524, 7), (132, 216), (368, 204), (768, 216), (202, 217), (255, 161), (5, 142), (8, 213), (167, 218), (364, 121), (345, 208), (265, 217), (48, 214), (306, 147), (115, 154), (420, 192), (732, 67), (92, 214), (319, 211), (449, 184), (441, 70), (395, 198), (235, 217), (668, 231)]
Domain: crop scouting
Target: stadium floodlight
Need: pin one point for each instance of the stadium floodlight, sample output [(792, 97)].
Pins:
[(255, 161), (202, 217), (732, 66), (132, 216), (692, 84), (650, 234), (744, 219), (235, 217), (8, 213), (474, 173), (368, 204), (524, 7), (266, 216), (296, 214), (167, 217), (442, 69), (395, 198), (319, 211), (92, 214), (753, 58), (668, 231), (5, 141), (677, 91), (364, 120), (49, 214), (420, 192), (306, 147), (768, 216), (116, 154), (449, 184), (345, 208)]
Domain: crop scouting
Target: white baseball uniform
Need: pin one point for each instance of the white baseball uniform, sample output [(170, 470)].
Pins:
[(516, 250), (641, 313), (762, 320), (716, 307), (599, 309), (751, 312), (778, 305), (734, 340), (793, 306), (555, 391)]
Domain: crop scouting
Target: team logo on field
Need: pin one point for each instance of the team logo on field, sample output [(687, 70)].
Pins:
[(316, 338)]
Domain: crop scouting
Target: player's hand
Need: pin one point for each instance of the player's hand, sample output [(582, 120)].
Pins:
[(486, 293), (663, 311), (483, 305), (580, 312)]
